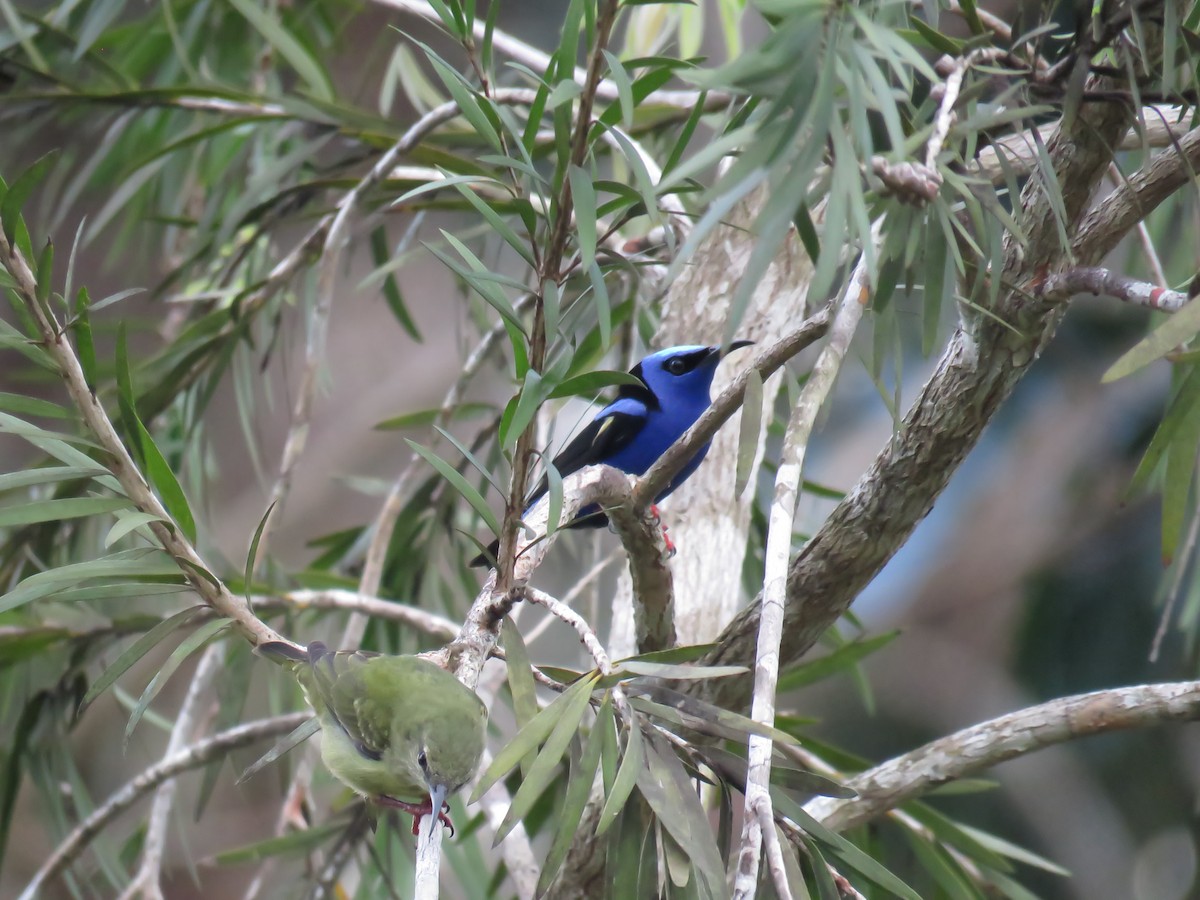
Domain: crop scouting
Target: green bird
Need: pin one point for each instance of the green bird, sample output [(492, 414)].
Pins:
[(399, 730)]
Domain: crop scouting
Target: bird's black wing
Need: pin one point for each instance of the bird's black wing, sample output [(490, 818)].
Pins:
[(603, 437)]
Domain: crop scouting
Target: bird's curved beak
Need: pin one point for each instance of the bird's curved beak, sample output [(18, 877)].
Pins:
[(437, 799), (733, 345)]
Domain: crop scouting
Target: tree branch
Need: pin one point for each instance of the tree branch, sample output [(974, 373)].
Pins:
[(1094, 280), (982, 746), (985, 358), (1107, 222)]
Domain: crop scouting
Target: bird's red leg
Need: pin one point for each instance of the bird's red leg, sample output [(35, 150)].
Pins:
[(416, 810), (670, 551)]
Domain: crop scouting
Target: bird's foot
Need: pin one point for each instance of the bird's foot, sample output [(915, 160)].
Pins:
[(417, 810), (670, 550)]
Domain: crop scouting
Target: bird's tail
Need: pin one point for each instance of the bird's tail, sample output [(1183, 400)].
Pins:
[(488, 557), (287, 654)]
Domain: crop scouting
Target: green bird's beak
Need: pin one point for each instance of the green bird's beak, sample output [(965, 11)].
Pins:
[(437, 797)]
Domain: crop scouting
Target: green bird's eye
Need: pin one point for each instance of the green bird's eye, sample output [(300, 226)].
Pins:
[(422, 760)]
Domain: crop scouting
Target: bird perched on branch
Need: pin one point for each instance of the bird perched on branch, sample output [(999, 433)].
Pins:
[(633, 431), (399, 730)]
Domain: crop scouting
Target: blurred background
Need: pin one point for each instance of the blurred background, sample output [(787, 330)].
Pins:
[(1037, 575)]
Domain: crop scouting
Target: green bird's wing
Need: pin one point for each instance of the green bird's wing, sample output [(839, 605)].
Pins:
[(335, 684)]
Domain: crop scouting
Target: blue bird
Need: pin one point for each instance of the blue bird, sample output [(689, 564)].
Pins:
[(633, 431)]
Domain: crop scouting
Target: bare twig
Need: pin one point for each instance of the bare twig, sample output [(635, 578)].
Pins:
[(166, 530), (985, 745), (1094, 280), (777, 555), (766, 823), (564, 613), (148, 880), (124, 797), (1143, 233), (349, 601)]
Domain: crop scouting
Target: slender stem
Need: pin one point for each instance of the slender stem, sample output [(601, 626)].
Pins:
[(777, 557)]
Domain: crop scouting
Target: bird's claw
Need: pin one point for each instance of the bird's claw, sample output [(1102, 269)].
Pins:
[(669, 549), (417, 810)]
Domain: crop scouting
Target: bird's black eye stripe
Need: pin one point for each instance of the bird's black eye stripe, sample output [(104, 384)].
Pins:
[(684, 363)]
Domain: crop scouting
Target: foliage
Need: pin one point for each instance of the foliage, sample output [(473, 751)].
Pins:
[(231, 143)]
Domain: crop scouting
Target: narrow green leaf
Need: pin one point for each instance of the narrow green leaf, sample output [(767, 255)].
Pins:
[(126, 523), (186, 648), (705, 717), (631, 764), (676, 655), (941, 867), (1179, 410), (842, 658), (45, 272), (520, 681), (307, 66), (51, 581), (751, 428), (1179, 328), (465, 489), (391, 290), (579, 786), (425, 417), (847, 852), (33, 406), (680, 672), (498, 222), (533, 392), (554, 498), (136, 651), (48, 475), (252, 554), (473, 460), (545, 767), (584, 197), (167, 485), (297, 842), (284, 745), (665, 785), (620, 77), (52, 510), (469, 103), (532, 735), (16, 195), (83, 338), (938, 279)]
